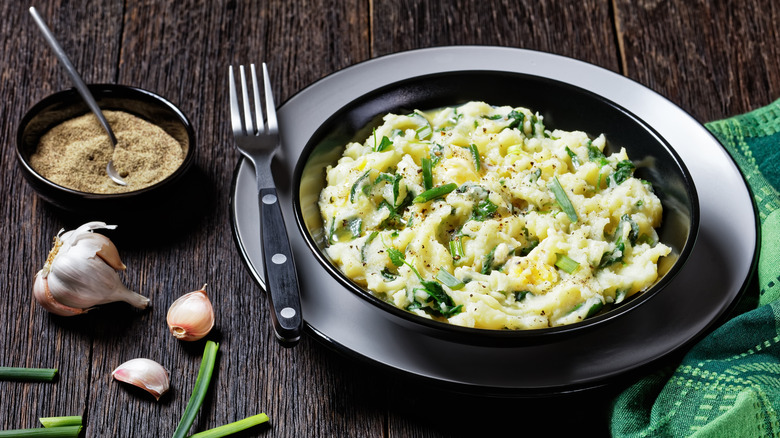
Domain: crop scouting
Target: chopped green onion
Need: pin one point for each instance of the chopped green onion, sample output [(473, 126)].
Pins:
[(484, 210), (387, 275), (515, 149), (427, 173), (437, 151), (456, 248), (384, 144), (595, 154), (199, 391), (563, 201), (43, 432), (396, 190), (609, 258), (231, 428), (487, 264), (28, 374), (623, 171), (354, 189), (575, 160), (516, 119), (71, 420), (594, 309), (355, 226), (449, 280), (370, 238), (567, 264), (475, 153), (423, 128), (522, 294), (424, 132), (434, 193)]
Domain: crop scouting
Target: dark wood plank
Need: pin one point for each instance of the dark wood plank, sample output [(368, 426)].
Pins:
[(29, 336), (181, 50), (714, 59), (579, 29)]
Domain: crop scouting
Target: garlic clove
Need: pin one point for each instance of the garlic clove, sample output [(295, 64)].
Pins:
[(191, 316), (81, 273), (145, 374), (108, 253)]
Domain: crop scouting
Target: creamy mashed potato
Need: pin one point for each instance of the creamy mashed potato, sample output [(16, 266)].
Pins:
[(480, 216)]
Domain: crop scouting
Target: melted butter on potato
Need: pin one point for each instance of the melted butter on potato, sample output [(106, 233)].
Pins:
[(497, 248)]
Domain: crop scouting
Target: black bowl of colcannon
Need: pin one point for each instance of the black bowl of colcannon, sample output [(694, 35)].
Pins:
[(487, 207)]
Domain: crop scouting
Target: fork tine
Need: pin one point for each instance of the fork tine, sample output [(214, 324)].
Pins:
[(256, 95), (235, 111), (270, 107), (250, 130)]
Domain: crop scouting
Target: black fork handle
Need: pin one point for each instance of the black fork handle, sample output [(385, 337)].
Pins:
[(281, 278)]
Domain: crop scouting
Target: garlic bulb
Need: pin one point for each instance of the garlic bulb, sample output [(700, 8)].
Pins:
[(81, 272), (145, 374), (191, 316)]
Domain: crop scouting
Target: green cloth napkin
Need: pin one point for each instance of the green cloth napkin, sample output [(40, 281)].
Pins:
[(727, 385)]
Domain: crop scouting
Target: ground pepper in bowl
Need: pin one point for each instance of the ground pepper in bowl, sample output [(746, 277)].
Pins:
[(74, 154)]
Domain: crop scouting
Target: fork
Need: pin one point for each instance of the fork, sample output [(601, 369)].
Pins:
[(258, 141)]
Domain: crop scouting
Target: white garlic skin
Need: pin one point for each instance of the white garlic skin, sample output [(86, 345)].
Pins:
[(145, 374), (81, 273), (191, 316)]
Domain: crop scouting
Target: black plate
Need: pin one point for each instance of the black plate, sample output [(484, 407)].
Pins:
[(712, 280), (563, 106)]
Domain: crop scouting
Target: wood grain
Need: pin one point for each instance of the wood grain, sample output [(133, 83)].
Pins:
[(714, 59)]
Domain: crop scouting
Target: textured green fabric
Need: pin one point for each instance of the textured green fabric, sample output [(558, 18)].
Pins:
[(728, 385)]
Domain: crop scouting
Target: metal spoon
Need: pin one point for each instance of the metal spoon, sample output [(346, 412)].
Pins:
[(82, 89)]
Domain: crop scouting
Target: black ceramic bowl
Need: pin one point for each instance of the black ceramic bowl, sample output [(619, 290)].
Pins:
[(564, 107), (68, 104)]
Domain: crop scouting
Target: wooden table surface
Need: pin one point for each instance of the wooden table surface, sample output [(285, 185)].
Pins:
[(712, 58)]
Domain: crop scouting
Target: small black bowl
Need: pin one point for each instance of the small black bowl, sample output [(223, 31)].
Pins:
[(563, 106), (125, 208)]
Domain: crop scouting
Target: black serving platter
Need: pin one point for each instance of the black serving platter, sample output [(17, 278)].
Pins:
[(656, 332)]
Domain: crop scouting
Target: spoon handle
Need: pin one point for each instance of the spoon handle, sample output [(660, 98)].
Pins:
[(74, 75)]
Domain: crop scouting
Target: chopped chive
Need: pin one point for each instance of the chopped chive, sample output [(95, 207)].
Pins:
[(456, 248), (563, 201), (516, 119), (28, 374), (575, 160), (427, 173), (231, 428), (43, 432), (475, 154), (449, 280), (370, 238), (567, 264), (487, 264), (199, 391), (484, 210), (435, 192), (384, 144), (354, 189), (594, 309), (71, 420), (424, 130)]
